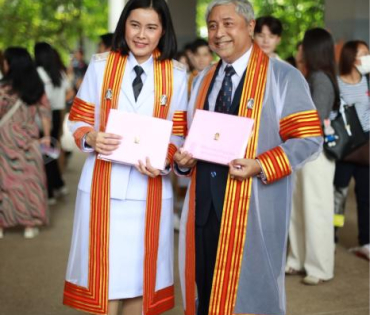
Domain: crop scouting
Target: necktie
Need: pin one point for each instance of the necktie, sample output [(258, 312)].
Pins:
[(223, 101), (137, 84)]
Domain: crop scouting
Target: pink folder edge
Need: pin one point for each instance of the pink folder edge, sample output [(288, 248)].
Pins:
[(117, 157), (201, 120)]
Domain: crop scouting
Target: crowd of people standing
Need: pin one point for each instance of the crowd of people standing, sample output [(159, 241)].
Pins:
[(34, 98), (286, 189)]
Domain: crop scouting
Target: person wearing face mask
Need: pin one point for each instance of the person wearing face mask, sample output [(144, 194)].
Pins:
[(122, 243), (353, 81)]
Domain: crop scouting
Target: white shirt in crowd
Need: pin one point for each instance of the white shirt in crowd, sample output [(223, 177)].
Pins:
[(55, 94)]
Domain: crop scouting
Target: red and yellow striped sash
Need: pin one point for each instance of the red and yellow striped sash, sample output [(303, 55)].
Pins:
[(94, 299), (190, 225), (156, 302), (236, 204)]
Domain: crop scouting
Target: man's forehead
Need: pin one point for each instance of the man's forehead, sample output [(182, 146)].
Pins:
[(223, 12)]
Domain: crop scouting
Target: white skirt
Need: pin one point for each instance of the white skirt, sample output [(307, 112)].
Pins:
[(126, 247)]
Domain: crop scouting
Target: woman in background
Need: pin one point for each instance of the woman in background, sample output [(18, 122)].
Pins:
[(56, 87), (354, 89), (311, 230), (23, 198)]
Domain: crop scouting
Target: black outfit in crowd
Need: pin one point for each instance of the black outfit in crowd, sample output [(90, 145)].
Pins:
[(344, 171)]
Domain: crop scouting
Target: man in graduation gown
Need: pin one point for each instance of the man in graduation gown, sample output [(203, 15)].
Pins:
[(235, 219)]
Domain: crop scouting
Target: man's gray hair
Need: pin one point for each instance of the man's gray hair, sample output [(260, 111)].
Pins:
[(243, 7)]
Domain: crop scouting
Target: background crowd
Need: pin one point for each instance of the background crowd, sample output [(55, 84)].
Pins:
[(31, 178)]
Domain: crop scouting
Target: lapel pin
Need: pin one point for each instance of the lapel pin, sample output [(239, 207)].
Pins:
[(250, 103), (163, 100), (109, 94)]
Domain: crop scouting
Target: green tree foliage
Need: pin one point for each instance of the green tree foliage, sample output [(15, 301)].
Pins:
[(62, 23), (297, 16)]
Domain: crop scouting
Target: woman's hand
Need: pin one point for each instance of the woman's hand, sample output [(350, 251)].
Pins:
[(242, 169), (104, 143), (184, 159), (45, 141), (148, 169)]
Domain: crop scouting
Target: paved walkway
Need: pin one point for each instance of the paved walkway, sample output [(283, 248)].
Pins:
[(32, 271)]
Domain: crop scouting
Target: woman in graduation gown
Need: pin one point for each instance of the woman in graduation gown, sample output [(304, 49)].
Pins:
[(122, 243)]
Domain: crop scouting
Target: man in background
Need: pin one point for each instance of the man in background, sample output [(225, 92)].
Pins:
[(105, 43), (267, 34)]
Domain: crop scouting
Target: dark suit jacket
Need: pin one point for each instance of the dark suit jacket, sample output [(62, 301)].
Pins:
[(211, 179)]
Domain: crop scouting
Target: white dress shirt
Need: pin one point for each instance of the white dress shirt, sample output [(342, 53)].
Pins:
[(239, 66), (132, 63)]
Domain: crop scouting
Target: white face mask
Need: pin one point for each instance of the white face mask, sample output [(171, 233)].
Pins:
[(364, 67)]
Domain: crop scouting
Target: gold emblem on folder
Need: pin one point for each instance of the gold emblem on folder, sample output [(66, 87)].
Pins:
[(137, 140), (217, 136)]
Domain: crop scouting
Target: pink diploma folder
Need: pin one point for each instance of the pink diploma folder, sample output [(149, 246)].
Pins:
[(142, 137), (218, 138)]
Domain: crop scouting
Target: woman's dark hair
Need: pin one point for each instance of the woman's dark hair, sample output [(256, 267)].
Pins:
[(60, 62), (348, 56), (22, 75), (1, 62), (271, 22), (107, 39), (167, 44), (318, 52), (46, 58)]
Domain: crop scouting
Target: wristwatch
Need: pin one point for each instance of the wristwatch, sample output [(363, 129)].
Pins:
[(84, 145), (262, 174)]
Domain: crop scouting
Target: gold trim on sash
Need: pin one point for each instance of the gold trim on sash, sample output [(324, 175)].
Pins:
[(236, 206), (94, 299)]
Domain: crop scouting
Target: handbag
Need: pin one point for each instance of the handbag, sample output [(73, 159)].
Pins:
[(344, 133), (359, 156)]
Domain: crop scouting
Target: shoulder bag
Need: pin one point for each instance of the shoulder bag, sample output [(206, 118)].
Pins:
[(343, 134)]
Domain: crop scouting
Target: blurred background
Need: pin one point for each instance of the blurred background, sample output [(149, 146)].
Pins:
[(72, 24)]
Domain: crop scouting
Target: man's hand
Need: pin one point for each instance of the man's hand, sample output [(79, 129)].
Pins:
[(241, 169), (147, 169), (104, 143), (184, 159)]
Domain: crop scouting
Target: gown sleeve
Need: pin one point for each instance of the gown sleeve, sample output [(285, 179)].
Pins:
[(299, 129), (82, 114)]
